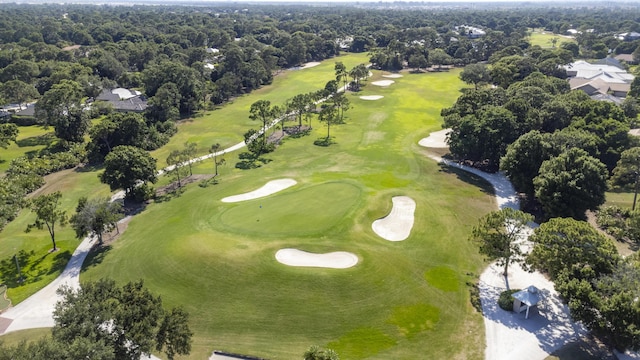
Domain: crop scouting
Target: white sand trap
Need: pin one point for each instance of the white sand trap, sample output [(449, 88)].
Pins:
[(371, 97), (392, 76), (397, 225), (309, 65), (437, 139), (269, 188), (333, 260), (382, 82)]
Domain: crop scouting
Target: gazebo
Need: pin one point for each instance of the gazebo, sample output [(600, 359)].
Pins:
[(525, 299)]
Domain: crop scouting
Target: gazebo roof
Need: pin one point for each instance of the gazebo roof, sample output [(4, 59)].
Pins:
[(529, 296)]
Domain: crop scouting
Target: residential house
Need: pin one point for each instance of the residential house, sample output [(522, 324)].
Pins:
[(124, 100), (626, 58), (602, 81)]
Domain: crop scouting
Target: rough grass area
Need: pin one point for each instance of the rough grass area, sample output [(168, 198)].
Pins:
[(403, 300)]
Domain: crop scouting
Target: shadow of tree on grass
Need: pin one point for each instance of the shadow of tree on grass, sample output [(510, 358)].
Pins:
[(95, 257)]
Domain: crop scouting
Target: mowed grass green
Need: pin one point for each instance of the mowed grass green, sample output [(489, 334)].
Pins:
[(544, 38), (270, 217), (195, 253)]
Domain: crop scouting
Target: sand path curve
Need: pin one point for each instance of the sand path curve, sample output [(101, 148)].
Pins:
[(267, 189), (398, 224), (333, 260)]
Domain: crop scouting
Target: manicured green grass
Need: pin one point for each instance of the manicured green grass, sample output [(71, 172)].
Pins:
[(30, 140), (42, 266), (544, 38), (217, 260), (227, 124)]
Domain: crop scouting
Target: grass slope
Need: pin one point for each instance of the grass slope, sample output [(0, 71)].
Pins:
[(217, 259)]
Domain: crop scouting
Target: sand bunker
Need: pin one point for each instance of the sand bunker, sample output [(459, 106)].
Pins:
[(437, 139), (382, 82), (269, 188), (309, 65), (397, 225), (333, 260), (371, 97), (392, 76)]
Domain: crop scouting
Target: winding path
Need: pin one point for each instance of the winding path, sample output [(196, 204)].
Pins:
[(510, 335)]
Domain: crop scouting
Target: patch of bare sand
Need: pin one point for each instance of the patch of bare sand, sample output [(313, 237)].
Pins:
[(397, 225), (333, 260), (392, 76), (371, 97), (437, 139), (382, 82), (309, 65), (269, 188)]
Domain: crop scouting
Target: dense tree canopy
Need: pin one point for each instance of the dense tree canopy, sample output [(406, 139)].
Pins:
[(570, 184), (118, 322), (125, 166)]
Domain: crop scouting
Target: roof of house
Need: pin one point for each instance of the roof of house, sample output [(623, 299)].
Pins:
[(609, 61), (117, 94), (583, 69), (137, 104), (30, 110), (124, 99), (628, 58), (607, 97), (598, 85)]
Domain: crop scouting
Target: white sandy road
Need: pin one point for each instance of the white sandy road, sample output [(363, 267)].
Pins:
[(333, 260), (267, 189), (398, 224), (509, 335)]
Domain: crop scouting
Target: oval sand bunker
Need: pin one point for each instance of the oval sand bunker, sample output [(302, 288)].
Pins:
[(392, 76), (371, 97), (397, 225), (269, 188), (333, 260), (382, 82), (437, 139)]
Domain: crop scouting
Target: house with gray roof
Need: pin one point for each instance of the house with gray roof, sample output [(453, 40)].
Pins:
[(601, 81), (124, 100)]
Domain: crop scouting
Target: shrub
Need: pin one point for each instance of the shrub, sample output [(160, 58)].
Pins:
[(506, 299)]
